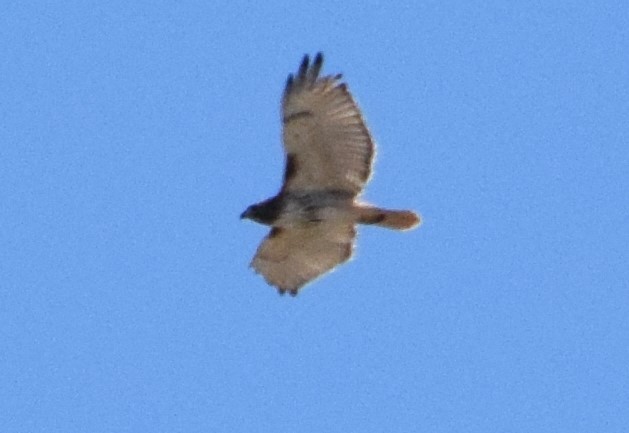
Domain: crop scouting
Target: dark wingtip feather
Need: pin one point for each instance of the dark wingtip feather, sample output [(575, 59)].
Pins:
[(316, 66), (289, 82), (318, 61), (303, 67)]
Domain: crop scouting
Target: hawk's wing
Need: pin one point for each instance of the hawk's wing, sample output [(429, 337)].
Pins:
[(326, 141), (289, 258)]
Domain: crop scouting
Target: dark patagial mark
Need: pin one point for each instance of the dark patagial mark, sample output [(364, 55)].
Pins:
[(291, 167), (275, 231)]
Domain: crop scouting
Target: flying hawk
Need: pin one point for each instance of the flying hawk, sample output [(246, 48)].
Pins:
[(329, 153)]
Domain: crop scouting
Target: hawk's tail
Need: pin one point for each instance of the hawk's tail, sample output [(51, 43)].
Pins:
[(391, 219)]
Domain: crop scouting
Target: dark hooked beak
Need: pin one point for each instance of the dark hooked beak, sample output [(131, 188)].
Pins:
[(245, 214)]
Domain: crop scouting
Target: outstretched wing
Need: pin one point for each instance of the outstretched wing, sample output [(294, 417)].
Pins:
[(289, 258), (327, 143)]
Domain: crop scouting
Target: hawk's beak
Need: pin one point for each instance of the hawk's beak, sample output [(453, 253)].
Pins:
[(245, 214)]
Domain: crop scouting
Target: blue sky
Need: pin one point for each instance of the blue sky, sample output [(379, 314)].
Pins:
[(133, 136)]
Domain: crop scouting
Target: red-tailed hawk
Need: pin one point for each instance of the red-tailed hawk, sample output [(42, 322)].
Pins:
[(329, 152)]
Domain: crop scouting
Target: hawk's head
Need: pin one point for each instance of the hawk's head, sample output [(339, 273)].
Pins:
[(265, 212)]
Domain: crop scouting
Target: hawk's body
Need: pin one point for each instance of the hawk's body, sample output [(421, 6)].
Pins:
[(329, 153)]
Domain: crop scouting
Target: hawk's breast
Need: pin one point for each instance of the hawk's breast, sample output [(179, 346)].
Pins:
[(301, 208)]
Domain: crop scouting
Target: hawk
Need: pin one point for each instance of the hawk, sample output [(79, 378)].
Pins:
[(329, 153)]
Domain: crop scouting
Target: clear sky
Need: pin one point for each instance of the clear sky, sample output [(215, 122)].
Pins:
[(133, 134)]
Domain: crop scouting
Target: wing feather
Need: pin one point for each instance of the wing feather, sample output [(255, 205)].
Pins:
[(290, 258), (324, 132)]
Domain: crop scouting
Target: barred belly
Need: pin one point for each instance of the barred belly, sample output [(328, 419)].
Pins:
[(310, 207)]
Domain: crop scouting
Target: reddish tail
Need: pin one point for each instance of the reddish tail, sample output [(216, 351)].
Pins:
[(391, 219)]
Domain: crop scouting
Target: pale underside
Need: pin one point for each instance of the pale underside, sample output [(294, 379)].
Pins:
[(289, 258), (325, 132), (328, 148)]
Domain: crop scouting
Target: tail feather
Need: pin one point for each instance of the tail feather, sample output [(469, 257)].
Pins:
[(391, 219)]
